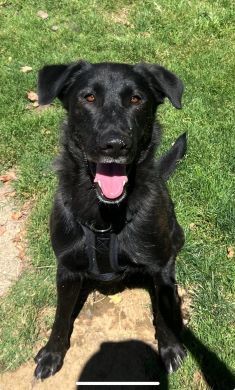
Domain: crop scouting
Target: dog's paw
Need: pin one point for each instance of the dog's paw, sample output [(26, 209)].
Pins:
[(48, 363), (172, 356)]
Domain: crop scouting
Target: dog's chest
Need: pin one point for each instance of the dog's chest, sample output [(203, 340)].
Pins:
[(105, 262)]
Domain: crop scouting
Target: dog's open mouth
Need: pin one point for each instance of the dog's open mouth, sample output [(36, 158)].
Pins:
[(110, 179)]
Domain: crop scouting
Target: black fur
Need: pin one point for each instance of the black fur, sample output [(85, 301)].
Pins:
[(117, 127), (167, 163)]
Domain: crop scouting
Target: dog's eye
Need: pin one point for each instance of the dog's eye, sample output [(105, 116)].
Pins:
[(90, 98), (135, 100)]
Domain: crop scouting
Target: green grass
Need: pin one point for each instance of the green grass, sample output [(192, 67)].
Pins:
[(193, 39)]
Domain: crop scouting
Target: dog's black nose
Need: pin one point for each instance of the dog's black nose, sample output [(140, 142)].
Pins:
[(115, 147)]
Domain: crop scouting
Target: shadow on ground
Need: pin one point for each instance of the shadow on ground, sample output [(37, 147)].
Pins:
[(215, 373), (134, 360), (127, 361)]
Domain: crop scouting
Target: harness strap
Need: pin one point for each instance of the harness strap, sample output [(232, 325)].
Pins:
[(102, 243)]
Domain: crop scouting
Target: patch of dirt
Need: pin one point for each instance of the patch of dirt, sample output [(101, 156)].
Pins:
[(121, 17), (123, 316), (13, 218)]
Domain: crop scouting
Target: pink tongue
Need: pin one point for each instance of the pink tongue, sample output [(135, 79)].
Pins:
[(111, 179)]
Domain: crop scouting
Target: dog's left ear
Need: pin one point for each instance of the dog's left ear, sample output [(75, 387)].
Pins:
[(163, 82)]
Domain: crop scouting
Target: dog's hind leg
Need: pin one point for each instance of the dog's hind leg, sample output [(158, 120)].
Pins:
[(167, 317), (50, 358)]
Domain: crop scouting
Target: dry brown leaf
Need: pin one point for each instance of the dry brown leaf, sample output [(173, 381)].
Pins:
[(8, 177), (22, 254), (26, 69), (19, 246), (32, 96), (197, 377), (17, 215), (26, 206), (42, 14), (115, 298), (19, 236), (11, 194), (230, 252), (2, 230)]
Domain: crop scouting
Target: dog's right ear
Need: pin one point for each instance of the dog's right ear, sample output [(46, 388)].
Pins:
[(55, 81)]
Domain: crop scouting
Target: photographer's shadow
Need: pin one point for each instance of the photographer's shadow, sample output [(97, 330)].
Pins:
[(126, 361), (136, 361)]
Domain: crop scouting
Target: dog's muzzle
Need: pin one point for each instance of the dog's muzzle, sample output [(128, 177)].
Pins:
[(111, 178), (110, 181)]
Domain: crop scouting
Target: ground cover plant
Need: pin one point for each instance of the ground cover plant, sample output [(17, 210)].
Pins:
[(194, 40)]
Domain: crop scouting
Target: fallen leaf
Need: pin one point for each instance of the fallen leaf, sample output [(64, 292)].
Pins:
[(20, 236), (2, 230), (17, 215), (42, 14), (19, 246), (26, 69), (32, 96), (35, 104), (55, 28), (22, 254), (11, 194), (17, 238), (197, 377), (8, 177), (230, 252), (115, 298), (192, 226)]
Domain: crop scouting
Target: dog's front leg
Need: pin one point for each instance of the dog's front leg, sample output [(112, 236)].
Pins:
[(168, 318), (50, 358)]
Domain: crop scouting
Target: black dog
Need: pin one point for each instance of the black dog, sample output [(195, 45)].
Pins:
[(112, 215)]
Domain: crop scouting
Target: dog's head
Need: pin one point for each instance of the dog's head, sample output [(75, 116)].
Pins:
[(111, 110)]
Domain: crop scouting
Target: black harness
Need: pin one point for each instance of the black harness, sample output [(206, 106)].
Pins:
[(102, 251)]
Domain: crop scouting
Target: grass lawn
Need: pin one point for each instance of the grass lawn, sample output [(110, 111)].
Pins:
[(192, 38)]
